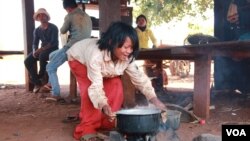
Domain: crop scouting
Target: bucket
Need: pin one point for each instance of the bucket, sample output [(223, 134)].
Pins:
[(173, 119)]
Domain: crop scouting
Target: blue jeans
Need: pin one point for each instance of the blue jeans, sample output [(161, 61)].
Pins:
[(56, 59)]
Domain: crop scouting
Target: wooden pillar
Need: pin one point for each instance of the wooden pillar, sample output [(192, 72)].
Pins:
[(109, 11), (28, 26), (201, 97)]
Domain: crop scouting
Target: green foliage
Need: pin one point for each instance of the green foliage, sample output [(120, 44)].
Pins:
[(164, 11), (195, 28)]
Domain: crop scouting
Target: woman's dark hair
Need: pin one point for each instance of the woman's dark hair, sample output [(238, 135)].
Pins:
[(69, 3), (141, 16), (115, 37)]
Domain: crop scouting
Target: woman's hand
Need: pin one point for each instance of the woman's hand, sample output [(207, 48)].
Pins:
[(106, 109), (158, 103)]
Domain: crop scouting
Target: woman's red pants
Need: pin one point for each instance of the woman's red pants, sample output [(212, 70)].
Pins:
[(93, 119)]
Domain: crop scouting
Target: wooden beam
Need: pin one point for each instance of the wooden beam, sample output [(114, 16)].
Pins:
[(28, 26), (10, 52)]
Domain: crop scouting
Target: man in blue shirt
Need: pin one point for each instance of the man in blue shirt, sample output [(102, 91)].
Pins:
[(47, 33)]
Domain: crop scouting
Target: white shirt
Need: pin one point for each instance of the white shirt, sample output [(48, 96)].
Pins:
[(100, 65)]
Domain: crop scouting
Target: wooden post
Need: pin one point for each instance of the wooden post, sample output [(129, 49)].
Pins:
[(201, 95), (28, 26), (109, 11)]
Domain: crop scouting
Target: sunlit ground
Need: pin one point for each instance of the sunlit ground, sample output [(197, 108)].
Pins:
[(12, 71)]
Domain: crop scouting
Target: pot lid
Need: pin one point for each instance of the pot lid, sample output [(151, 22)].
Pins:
[(139, 111)]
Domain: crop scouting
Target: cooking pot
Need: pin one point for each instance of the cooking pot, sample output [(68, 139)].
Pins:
[(139, 120)]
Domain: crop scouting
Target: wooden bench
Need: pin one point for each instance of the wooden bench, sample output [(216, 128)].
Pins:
[(73, 84), (9, 52)]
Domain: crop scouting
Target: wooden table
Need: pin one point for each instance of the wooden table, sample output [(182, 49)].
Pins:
[(202, 56)]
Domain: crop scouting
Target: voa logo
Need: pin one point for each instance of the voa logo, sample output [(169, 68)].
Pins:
[(236, 132)]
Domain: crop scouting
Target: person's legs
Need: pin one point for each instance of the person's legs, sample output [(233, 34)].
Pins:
[(223, 72), (244, 74), (43, 61), (56, 59), (29, 64), (80, 72), (93, 119), (153, 68)]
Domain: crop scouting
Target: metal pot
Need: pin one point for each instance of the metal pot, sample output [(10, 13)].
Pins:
[(138, 121)]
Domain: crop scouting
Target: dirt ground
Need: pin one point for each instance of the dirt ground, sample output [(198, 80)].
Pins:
[(26, 116)]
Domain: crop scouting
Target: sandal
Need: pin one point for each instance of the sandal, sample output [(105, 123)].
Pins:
[(52, 98), (71, 119), (62, 101), (48, 87), (58, 99)]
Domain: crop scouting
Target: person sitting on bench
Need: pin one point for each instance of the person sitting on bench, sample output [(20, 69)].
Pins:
[(47, 33)]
